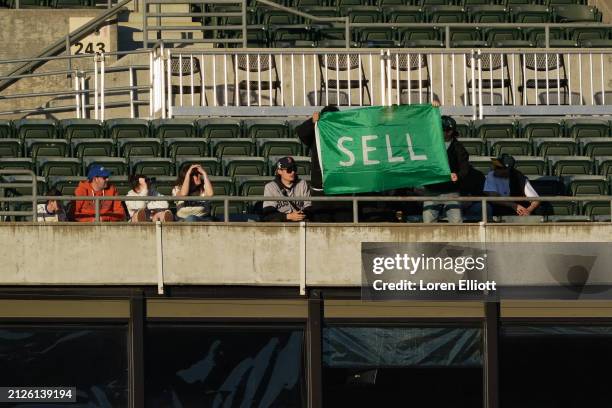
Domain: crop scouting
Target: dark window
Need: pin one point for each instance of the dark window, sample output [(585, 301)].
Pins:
[(92, 358), (213, 366), (555, 366), (366, 366)]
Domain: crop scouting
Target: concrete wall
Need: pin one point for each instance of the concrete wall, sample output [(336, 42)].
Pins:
[(237, 254)]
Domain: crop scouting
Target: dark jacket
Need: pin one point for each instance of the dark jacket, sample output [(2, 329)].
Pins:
[(458, 162), (306, 133)]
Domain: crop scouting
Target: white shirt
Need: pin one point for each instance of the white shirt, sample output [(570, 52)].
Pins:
[(134, 206)]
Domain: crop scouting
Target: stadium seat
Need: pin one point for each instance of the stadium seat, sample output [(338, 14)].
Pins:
[(481, 163), (152, 166), (186, 146), (92, 147), (597, 43), (127, 128), (554, 146), (266, 129), (244, 166), (512, 147), (222, 185), (494, 128), (362, 14), (217, 210), (571, 13), (279, 147), (64, 184), (6, 129), (251, 185), (587, 185), (122, 183), (211, 165), (516, 219), (35, 129), (219, 128), (373, 37), (488, 14), (604, 165), (45, 147), (530, 128), (596, 146), (579, 128), (530, 165), (474, 147), (302, 163), (445, 14), (547, 185), (81, 129), (596, 208), (588, 34), (10, 148), (172, 128), (494, 35), (463, 35), (118, 166), (404, 14), (570, 165), (530, 13), (164, 185), (567, 218), (58, 166), (232, 147), (538, 34), (131, 147), (464, 127), (24, 163)]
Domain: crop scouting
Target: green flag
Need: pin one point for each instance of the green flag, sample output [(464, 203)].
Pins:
[(381, 148)]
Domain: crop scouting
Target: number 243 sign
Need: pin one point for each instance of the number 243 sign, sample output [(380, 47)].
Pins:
[(89, 48)]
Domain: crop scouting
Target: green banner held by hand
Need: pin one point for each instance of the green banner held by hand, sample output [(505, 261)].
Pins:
[(381, 148)]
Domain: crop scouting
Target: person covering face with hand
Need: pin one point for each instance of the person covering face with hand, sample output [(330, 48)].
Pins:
[(193, 181), (286, 184)]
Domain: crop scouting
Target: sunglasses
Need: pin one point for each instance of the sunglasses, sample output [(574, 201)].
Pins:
[(289, 169)]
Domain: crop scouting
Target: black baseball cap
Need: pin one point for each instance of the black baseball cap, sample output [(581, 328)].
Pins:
[(448, 123), (285, 163), (504, 161)]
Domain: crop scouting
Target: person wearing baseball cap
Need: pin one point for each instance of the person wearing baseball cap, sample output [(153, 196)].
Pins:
[(506, 181), (458, 162), (286, 183), (97, 185)]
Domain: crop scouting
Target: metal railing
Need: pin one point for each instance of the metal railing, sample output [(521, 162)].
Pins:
[(472, 82)]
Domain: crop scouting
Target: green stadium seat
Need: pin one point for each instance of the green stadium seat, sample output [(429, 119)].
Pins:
[(41, 187), (418, 37), (127, 128), (362, 14), (579, 128), (554, 146), (64, 184), (596, 208), (46, 147), (567, 218), (495, 35), (10, 147), (584, 34), (232, 147), (510, 146), (472, 3), (122, 183), (464, 127), (494, 128), (320, 11), (345, 3), (172, 128), (302, 163), (118, 166), (141, 147), (219, 128), (35, 129), (383, 4), (276, 17), (164, 185), (183, 146), (244, 166), (92, 147), (404, 14), (516, 219), (279, 147), (571, 13), (376, 36), (152, 166), (586, 185), (530, 13), (6, 129), (570, 165), (474, 147), (266, 129), (604, 165), (251, 185), (538, 34), (81, 129), (217, 210), (445, 14), (481, 163), (211, 165), (596, 146), (488, 14), (429, 3), (530, 165), (597, 43), (463, 35), (222, 185), (529, 128), (24, 163), (58, 166)]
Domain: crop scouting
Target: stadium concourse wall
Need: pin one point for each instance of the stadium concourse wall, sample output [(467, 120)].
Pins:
[(249, 254)]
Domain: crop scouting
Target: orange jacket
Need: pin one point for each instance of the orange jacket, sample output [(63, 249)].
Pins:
[(85, 211)]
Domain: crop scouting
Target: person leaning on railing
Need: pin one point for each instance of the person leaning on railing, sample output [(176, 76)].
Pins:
[(52, 210), (193, 181), (97, 185)]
